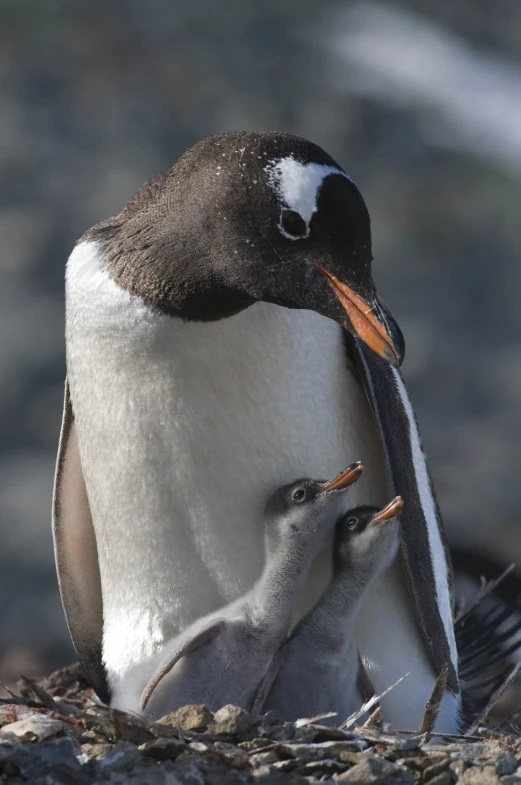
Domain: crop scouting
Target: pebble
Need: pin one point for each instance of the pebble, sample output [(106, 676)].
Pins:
[(34, 728), (443, 778), (163, 749), (371, 771), (233, 721), (506, 763), (194, 718), (193, 746)]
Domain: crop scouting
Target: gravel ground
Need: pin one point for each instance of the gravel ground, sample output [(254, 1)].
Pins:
[(65, 737)]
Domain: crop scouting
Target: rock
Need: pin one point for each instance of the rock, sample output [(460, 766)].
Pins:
[(255, 744), (55, 759), (121, 757), (34, 728), (435, 769), (96, 751), (471, 751), (260, 759), (283, 778), (12, 712), (163, 749), (231, 754), (443, 778), (325, 749), (506, 763), (147, 775), (410, 743), (371, 771), (66, 682), (402, 778), (511, 780), (284, 765), (194, 718), (198, 746), (233, 721), (318, 768), (480, 775)]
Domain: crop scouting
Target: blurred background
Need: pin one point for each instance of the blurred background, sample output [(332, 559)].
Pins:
[(420, 102)]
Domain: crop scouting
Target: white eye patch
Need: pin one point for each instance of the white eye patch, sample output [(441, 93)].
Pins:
[(297, 185)]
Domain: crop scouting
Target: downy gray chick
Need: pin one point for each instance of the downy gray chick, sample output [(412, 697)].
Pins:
[(318, 670), (223, 657)]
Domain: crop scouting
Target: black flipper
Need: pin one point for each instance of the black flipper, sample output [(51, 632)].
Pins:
[(423, 543), (76, 556)]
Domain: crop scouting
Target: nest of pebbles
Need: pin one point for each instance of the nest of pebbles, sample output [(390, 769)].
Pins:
[(54, 731)]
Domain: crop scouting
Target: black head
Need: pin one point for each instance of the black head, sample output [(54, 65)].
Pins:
[(247, 217), (366, 537), (297, 511)]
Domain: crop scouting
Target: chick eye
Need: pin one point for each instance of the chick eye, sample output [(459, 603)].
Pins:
[(352, 523), (299, 495), (293, 224)]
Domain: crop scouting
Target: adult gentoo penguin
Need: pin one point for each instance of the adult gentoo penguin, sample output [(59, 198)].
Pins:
[(224, 336)]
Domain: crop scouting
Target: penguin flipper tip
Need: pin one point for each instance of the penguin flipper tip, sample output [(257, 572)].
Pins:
[(206, 635)]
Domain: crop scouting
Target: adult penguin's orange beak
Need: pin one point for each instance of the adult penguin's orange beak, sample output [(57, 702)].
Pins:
[(370, 321)]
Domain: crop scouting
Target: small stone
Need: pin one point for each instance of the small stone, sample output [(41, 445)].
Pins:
[(283, 778), (410, 743), (416, 762), (231, 754), (122, 756), (480, 775), (457, 767), (472, 751), (284, 765), (321, 767), (34, 729), (47, 758), (323, 733), (260, 759), (96, 751), (403, 777), (233, 721), (198, 746), (346, 756), (506, 763), (254, 744), (443, 778), (321, 751), (163, 749), (195, 718), (432, 771), (371, 771)]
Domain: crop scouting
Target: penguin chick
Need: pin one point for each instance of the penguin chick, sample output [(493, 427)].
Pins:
[(317, 670), (223, 657)]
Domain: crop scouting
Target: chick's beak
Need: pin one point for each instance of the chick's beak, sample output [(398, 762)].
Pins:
[(392, 510), (371, 321), (344, 479)]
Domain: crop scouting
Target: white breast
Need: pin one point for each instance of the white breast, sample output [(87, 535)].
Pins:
[(184, 430)]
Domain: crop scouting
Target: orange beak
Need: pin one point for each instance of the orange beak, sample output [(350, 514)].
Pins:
[(344, 479), (364, 322), (392, 510)]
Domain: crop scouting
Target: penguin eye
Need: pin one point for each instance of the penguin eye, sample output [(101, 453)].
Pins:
[(293, 224), (299, 495), (352, 523)]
